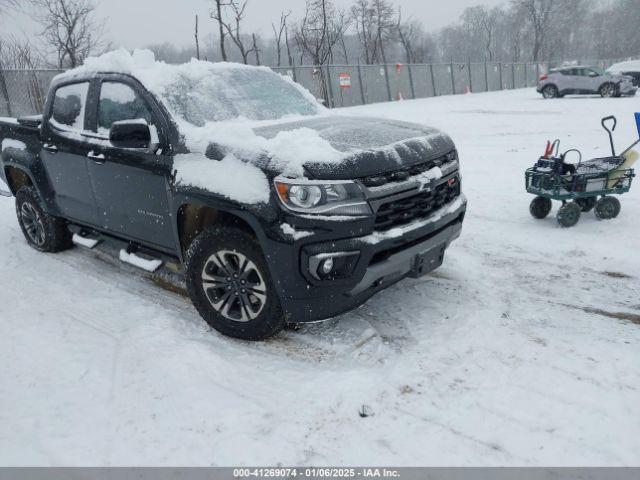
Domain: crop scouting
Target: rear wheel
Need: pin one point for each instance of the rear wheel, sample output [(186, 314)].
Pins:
[(229, 284), (550, 91), (568, 215), (587, 204), (42, 231), (608, 90), (607, 208), (540, 207)]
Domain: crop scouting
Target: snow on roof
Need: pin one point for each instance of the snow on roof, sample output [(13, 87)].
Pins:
[(629, 66)]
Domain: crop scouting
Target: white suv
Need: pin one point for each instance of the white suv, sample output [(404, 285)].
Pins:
[(584, 80)]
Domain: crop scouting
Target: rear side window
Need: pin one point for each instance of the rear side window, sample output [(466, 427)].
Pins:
[(69, 106), (119, 101)]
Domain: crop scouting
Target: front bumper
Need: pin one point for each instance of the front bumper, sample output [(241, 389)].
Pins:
[(628, 90), (385, 258)]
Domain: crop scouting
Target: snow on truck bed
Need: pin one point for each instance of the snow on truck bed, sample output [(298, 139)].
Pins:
[(523, 349)]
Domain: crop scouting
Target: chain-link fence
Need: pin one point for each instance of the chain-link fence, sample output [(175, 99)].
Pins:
[(22, 92)]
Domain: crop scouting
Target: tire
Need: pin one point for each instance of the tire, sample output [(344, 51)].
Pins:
[(550, 91), (587, 204), (568, 215), (236, 301), (607, 208), (42, 231), (540, 207), (608, 90)]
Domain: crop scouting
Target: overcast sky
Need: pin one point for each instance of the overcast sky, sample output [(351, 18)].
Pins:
[(135, 23)]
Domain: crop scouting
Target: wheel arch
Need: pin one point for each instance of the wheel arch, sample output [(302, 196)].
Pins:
[(17, 177), (192, 217)]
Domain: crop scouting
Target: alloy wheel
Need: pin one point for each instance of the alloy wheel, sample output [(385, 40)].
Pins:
[(234, 286), (33, 225)]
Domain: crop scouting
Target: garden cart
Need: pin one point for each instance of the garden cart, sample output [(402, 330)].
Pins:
[(584, 185)]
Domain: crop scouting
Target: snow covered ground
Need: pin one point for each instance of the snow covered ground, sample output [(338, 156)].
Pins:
[(523, 349)]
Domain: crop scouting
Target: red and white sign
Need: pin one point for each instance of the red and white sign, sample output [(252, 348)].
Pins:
[(345, 80)]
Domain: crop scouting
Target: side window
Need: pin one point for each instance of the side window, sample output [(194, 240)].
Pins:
[(69, 106), (119, 101)]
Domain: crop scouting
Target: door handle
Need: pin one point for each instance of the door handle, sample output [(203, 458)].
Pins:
[(98, 158), (50, 147)]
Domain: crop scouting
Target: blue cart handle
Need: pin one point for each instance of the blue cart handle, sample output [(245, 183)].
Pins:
[(638, 123)]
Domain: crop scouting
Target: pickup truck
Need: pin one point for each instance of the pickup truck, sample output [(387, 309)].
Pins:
[(274, 209)]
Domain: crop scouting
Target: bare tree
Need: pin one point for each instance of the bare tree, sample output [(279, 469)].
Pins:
[(482, 23), (278, 33), (232, 26), (540, 14), (383, 14), (70, 29), (255, 48), (197, 40), (410, 33), (216, 14), (363, 17)]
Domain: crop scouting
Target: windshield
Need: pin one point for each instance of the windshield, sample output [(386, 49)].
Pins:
[(227, 94)]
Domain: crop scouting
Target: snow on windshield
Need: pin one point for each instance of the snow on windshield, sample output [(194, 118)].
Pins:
[(199, 92), (232, 93)]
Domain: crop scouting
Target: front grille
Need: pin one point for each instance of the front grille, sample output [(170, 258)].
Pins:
[(415, 207), (404, 173)]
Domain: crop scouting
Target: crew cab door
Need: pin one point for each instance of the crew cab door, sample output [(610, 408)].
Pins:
[(64, 152), (131, 184)]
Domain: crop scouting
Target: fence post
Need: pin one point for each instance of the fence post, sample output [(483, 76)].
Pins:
[(433, 80), (526, 80), (293, 70), (329, 88), (5, 93), (364, 101), (537, 71), (413, 90), (453, 81), (386, 79), (486, 78), (513, 76), (469, 72), (500, 68)]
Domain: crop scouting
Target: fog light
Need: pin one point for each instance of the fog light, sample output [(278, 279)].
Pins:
[(327, 266), (333, 265)]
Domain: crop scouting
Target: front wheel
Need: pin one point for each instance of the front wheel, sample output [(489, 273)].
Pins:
[(550, 91), (568, 215), (229, 284), (608, 90), (607, 208), (42, 231), (540, 207)]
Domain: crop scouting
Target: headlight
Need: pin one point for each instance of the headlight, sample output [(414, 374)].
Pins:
[(328, 198)]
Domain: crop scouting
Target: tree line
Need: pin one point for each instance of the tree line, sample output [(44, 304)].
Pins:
[(368, 31)]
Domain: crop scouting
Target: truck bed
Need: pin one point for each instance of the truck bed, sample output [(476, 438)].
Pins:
[(17, 133)]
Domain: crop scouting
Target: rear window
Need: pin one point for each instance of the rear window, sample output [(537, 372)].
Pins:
[(69, 106)]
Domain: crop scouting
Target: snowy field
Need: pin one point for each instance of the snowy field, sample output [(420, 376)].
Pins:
[(523, 349)]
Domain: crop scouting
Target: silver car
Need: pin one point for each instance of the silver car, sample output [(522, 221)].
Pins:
[(584, 80)]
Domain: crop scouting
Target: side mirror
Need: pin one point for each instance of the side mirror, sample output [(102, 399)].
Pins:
[(130, 134), (593, 74)]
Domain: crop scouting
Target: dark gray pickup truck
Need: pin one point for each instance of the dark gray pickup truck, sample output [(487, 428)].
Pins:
[(274, 210)]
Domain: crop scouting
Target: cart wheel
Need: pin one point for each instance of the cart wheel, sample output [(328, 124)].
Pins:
[(540, 207), (587, 204), (569, 214), (607, 208)]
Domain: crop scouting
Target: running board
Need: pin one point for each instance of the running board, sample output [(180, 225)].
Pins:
[(84, 241), (150, 265)]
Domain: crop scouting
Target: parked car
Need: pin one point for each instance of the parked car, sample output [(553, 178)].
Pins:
[(629, 69), (274, 210), (584, 81)]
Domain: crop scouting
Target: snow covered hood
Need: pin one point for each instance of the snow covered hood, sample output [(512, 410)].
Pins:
[(630, 66), (366, 146)]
